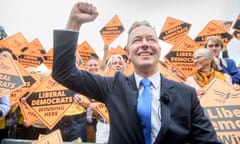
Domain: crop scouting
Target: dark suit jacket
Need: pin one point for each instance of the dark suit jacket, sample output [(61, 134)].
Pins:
[(183, 118)]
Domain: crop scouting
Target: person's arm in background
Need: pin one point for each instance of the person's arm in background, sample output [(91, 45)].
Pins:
[(4, 105), (104, 60)]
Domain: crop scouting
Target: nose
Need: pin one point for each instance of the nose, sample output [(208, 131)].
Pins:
[(144, 43)]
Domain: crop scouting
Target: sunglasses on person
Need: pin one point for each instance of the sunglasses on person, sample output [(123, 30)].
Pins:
[(213, 45)]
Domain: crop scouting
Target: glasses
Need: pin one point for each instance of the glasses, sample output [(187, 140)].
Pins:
[(213, 45)]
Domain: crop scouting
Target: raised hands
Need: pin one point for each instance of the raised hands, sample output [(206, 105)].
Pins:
[(82, 12)]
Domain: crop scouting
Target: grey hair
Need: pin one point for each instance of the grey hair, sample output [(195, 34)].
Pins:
[(206, 52), (138, 24)]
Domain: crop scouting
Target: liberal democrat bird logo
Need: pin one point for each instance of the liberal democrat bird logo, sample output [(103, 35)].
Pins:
[(222, 97)]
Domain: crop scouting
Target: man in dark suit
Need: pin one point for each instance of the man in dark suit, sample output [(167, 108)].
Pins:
[(176, 114)]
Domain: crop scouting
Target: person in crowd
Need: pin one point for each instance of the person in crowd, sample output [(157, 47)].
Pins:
[(101, 126), (5, 105), (4, 109), (114, 64), (226, 65), (93, 65), (4, 100), (206, 71), (104, 59), (144, 107)]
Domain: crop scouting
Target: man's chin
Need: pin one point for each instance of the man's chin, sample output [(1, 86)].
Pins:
[(146, 64)]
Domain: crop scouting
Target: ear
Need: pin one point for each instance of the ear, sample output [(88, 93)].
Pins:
[(128, 54)]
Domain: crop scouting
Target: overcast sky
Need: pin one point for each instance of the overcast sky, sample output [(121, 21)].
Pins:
[(38, 18)]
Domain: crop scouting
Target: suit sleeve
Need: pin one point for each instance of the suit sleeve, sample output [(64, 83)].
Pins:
[(65, 70), (202, 130)]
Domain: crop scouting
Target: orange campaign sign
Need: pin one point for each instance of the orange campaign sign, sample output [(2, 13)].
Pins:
[(15, 41), (102, 110), (111, 30), (85, 51), (10, 77), (4, 44), (30, 117), (168, 74), (37, 45), (54, 137), (212, 29), (236, 25), (181, 56), (48, 58), (49, 101), (129, 70), (29, 80), (29, 55), (221, 105), (174, 30), (116, 51), (226, 25), (236, 34)]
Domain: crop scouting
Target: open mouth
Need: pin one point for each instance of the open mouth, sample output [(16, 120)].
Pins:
[(145, 54)]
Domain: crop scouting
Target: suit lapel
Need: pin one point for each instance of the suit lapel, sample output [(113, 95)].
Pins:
[(168, 92)]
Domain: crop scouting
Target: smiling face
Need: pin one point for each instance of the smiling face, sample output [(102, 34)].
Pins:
[(144, 50), (202, 60), (92, 65)]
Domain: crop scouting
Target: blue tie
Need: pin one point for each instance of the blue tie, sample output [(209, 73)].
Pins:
[(144, 107)]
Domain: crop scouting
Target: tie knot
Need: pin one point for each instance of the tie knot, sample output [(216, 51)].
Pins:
[(145, 82)]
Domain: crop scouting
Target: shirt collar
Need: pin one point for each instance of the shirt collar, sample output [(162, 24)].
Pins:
[(155, 79)]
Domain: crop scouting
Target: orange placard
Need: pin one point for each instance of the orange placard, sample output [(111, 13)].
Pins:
[(212, 29), (174, 30), (28, 55), (15, 41), (10, 77), (226, 25), (49, 101), (29, 80), (181, 56), (37, 45), (85, 51), (168, 74), (54, 137), (236, 25), (129, 70), (111, 30), (221, 104), (236, 34), (3, 44), (113, 51), (29, 116), (48, 58), (102, 110)]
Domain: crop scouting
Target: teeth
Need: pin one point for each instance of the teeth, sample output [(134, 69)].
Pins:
[(145, 54)]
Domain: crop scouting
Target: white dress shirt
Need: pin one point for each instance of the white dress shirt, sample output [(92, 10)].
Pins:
[(156, 106)]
